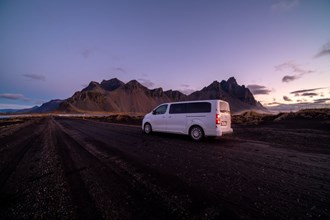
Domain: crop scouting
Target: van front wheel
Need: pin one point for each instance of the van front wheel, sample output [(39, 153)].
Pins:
[(147, 128), (196, 133)]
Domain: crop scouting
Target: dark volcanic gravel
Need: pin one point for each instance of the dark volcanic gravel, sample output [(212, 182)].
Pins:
[(65, 168)]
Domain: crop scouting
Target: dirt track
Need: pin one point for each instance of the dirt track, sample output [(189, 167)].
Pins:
[(82, 169)]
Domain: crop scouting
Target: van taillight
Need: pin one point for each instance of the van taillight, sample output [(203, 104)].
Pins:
[(217, 119)]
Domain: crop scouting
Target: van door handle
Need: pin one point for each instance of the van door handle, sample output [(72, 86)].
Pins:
[(169, 116)]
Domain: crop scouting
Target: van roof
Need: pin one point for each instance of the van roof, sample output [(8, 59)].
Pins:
[(209, 100)]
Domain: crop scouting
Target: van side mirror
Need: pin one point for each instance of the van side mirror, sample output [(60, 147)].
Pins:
[(154, 112)]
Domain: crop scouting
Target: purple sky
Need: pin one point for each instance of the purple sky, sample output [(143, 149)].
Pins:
[(50, 49)]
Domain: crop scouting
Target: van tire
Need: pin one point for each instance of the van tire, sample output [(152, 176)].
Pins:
[(147, 128), (196, 133)]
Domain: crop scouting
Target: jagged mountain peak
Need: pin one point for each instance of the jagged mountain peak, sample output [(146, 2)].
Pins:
[(160, 89), (134, 84), (215, 85), (232, 81), (157, 92), (92, 86), (111, 84), (113, 80), (240, 92), (175, 95)]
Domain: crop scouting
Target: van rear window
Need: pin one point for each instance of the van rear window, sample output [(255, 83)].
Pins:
[(224, 107), (194, 107)]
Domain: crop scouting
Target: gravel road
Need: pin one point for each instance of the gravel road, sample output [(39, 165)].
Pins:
[(66, 168)]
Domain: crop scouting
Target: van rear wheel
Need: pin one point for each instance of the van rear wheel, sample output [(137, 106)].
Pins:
[(147, 128), (196, 133)]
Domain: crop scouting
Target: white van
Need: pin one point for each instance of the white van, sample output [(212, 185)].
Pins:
[(195, 118)]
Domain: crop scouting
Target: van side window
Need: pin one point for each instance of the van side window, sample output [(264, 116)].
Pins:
[(178, 108), (160, 110), (199, 107)]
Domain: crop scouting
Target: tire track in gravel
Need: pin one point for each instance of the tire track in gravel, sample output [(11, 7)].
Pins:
[(14, 151), (18, 148), (84, 205), (116, 191)]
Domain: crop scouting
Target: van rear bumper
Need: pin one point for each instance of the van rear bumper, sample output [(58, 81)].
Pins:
[(218, 132), (227, 131)]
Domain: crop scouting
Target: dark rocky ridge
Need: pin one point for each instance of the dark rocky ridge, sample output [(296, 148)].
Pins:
[(50, 106), (115, 96)]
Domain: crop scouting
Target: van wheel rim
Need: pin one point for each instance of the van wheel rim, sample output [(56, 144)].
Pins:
[(196, 133), (147, 129)]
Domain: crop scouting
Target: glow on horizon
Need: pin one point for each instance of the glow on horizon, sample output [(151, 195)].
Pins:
[(50, 49)]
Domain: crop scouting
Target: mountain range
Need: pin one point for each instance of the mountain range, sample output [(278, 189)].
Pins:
[(115, 96)]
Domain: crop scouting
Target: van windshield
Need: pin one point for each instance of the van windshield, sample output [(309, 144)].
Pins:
[(160, 110), (224, 107)]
